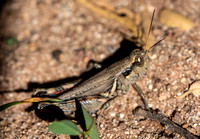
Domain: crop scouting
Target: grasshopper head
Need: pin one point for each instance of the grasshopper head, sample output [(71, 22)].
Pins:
[(140, 61)]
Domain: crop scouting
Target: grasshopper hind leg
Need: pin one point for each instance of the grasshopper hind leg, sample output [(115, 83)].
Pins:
[(55, 91)]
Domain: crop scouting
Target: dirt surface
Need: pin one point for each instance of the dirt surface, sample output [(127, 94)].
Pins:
[(56, 41)]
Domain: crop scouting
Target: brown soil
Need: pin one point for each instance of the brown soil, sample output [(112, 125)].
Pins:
[(58, 38)]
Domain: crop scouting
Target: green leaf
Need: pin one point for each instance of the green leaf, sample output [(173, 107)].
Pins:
[(66, 127), (11, 41), (5, 106), (90, 125)]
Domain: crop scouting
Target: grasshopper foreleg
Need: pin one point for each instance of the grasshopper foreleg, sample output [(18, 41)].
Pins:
[(140, 92)]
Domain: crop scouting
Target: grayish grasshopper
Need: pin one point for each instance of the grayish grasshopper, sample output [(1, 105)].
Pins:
[(101, 89)]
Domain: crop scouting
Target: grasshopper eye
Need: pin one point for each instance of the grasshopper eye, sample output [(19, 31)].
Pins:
[(139, 60)]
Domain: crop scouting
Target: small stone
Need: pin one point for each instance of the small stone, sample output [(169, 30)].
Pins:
[(121, 116), (126, 132), (112, 114)]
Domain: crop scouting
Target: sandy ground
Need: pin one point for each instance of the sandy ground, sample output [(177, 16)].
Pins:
[(58, 38)]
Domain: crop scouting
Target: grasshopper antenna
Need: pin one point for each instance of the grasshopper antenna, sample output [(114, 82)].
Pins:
[(155, 44), (150, 28)]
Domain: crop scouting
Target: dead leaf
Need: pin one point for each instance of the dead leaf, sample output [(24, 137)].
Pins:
[(172, 18), (131, 21), (194, 88), (39, 99)]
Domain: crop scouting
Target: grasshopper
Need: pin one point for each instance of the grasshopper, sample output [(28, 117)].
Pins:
[(103, 88)]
